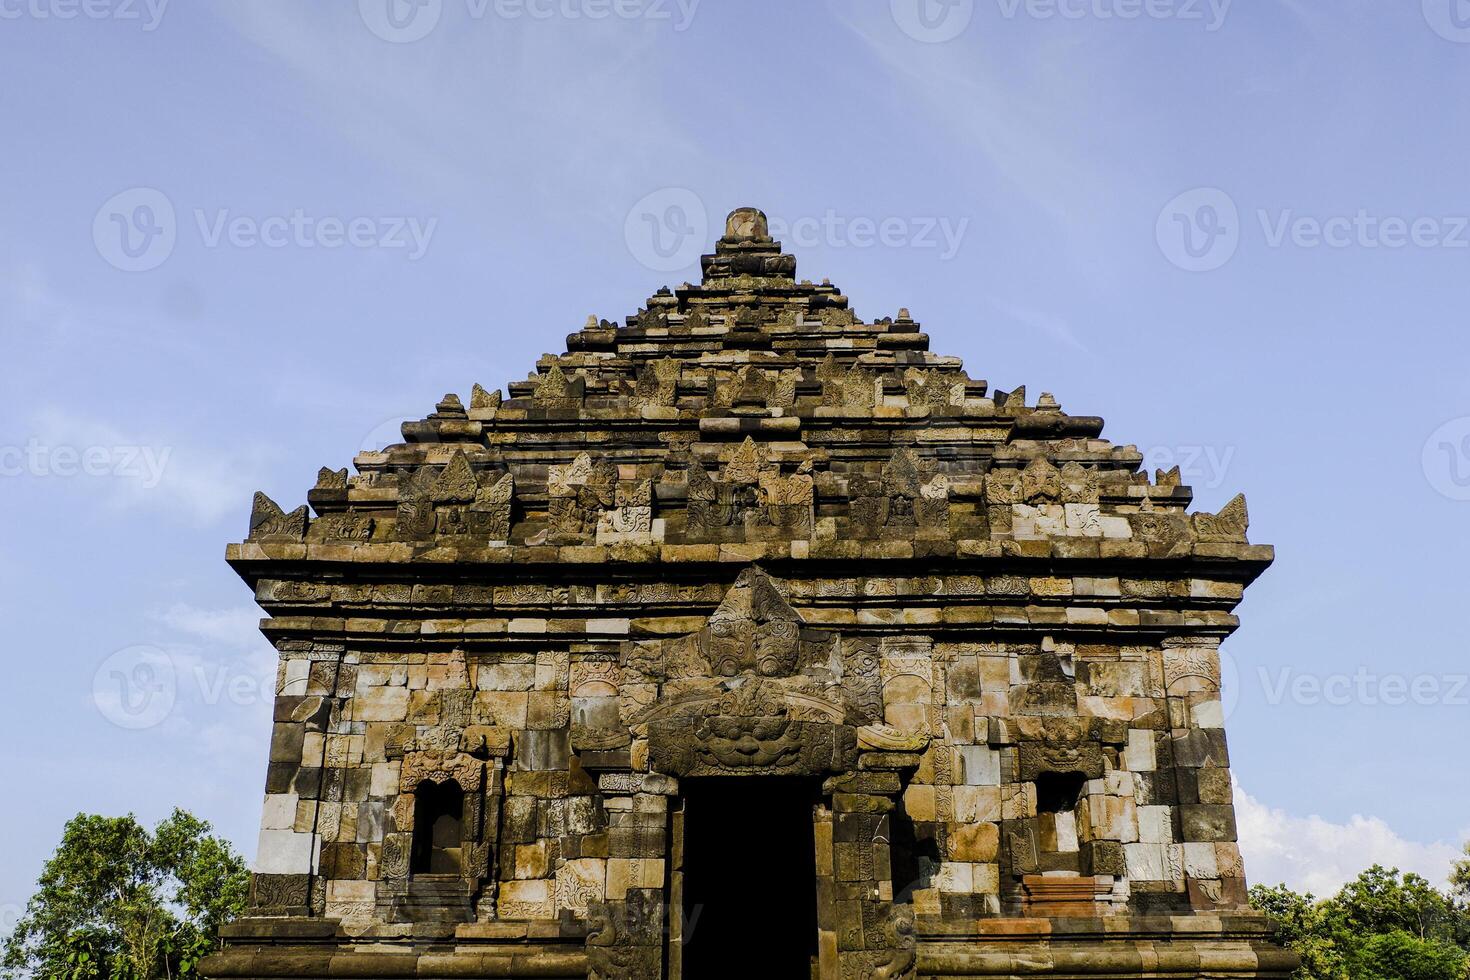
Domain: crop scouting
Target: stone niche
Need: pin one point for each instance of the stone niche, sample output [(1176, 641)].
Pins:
[(748, 636)]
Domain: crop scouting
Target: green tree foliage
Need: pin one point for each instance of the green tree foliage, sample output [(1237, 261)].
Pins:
[(1383, 925), (1399, 956), (1302, 923), (1382, 901), (1460, 878), (116, 902)]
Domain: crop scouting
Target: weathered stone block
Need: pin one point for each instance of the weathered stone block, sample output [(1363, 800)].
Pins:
[(1207, 823)]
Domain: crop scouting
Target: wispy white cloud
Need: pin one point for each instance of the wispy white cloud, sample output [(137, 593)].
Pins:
[(200, 708), (226, 675), (464, 110), (1024, 114), (208, 680), (1314, 855), (1025, 136), (136, 468), (173, 467), (205, 640), (237, 626), (41, 319)]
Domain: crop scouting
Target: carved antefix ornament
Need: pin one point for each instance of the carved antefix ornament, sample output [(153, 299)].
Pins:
[(269, 523), (754, 629), (750, 494), (631, 518), (415, 515), (908, 497), (489, 517), (577, 494)]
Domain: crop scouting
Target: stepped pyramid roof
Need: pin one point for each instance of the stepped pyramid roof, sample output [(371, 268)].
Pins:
[(750, 417)]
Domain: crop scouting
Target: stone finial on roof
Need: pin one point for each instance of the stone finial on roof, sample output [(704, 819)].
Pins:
[(449, 407), (748, 250), (747, 225)]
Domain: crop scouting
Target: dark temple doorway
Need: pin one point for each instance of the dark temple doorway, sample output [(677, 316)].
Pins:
[(749, 878), (438, 828)]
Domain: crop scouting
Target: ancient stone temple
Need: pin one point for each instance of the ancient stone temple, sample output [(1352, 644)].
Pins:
[(749, 638)]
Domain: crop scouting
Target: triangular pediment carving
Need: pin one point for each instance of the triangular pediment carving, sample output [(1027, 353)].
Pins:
[(752, 631)]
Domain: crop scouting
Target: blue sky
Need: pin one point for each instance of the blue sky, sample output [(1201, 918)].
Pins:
[(240, 241)]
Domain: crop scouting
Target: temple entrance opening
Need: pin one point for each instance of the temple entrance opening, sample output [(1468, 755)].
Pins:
[(749, 874), (438, 828)]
